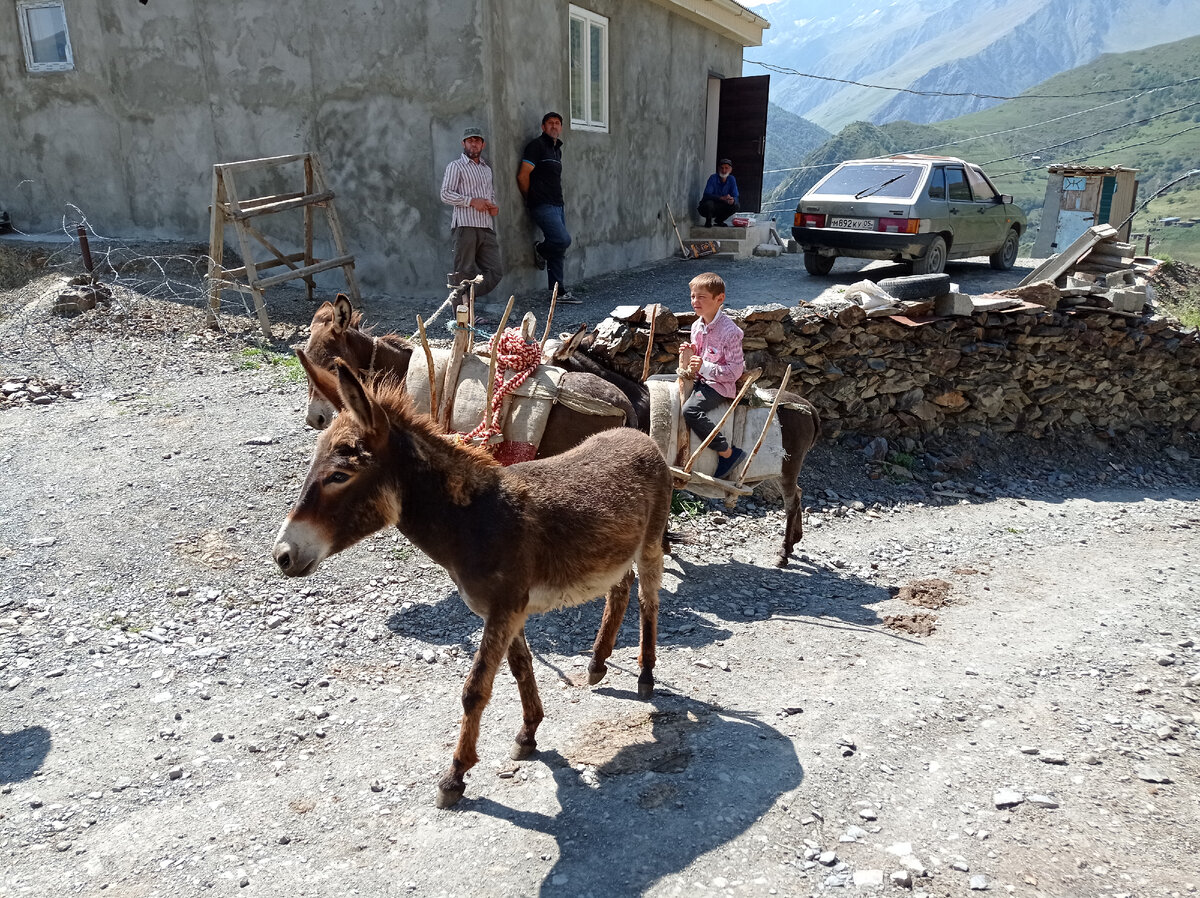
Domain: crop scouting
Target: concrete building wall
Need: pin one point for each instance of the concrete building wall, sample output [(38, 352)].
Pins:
[(382, 91)]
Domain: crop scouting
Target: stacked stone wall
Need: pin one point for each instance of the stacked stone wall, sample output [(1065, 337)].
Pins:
[(1032, 372)]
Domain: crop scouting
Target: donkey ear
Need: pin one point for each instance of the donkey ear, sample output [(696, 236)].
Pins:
[(343, 312), (571, 343), (358, 404), (324, 382)]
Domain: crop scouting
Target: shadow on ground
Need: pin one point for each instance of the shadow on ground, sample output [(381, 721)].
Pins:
[(688, 780), (22, 753)]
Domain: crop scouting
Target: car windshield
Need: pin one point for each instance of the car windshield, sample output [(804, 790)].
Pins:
[(863, 181)]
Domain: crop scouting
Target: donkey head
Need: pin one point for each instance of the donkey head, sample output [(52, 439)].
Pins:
[(327, 341), (347, 494)]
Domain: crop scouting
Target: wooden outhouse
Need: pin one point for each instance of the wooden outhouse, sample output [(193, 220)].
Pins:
[(1081, 196)]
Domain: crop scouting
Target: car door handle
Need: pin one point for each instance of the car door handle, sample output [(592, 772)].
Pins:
[(953, 211)]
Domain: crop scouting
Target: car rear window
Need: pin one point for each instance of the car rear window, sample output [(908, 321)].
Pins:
[(864, 181)]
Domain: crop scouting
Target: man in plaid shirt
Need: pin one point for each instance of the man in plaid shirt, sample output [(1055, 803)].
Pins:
[(467, 186)]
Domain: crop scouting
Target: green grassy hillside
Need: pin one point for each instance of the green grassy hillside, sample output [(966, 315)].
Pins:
[(1077, 116)]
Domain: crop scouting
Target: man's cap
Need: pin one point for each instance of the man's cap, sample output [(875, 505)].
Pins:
[(550, 115), (473, 132), (724, 162)]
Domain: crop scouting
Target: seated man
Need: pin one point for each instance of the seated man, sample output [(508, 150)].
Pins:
[(720, 198)]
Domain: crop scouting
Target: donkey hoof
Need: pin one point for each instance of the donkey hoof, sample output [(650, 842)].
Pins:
[(781, 560), (645, 686), (596, 673), (449, 792), (521, 751)]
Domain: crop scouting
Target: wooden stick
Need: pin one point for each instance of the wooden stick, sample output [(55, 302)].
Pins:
[(462, 340), (550, 316), (650, 343), (770, 417), (433, 404), (686, 253), (752, 376), (491, 384)]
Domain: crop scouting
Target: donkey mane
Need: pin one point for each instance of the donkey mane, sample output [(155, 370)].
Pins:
[(397, 405)]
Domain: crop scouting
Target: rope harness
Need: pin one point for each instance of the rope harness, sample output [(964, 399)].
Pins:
[(514, 355)]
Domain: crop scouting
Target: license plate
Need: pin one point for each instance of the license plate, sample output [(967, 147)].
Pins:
[(853, 224)]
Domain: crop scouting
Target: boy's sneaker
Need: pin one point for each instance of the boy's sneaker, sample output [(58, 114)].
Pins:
[(726, 465), (538, 259)]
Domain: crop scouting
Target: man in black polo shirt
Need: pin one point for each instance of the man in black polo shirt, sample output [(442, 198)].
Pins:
[(540, 180)]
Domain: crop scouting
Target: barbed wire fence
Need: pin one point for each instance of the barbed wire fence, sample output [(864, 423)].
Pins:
[(143, 305)]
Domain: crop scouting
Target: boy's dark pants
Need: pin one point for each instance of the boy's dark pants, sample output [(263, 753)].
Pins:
[(703, 400)]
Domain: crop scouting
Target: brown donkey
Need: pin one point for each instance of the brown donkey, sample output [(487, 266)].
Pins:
[(336, 333), (799, 424), (516, 541)]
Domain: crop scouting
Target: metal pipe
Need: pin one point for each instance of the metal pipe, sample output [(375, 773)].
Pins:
[(85, 249)]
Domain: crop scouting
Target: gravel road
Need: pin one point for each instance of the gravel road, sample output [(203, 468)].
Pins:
[(981, 674)]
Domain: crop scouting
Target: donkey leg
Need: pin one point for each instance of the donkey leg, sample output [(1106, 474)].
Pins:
[(614, 612), (650, 570), (498, 633), (520, 662)]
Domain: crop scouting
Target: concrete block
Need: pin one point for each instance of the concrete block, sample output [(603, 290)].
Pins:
[(1121, 278), (769, 250), (953, 304), (1128, 300)]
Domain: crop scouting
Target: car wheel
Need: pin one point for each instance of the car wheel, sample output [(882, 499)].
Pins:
[(1005, 257), (917, 286), (934, 259), (815, 263)]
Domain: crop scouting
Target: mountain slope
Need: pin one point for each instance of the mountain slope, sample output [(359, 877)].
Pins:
[(998, 47), (789, 139), (1153, 125)]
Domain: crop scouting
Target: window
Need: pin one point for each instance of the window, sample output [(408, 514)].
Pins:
[(956, 186), (44, 36), (984, 193), (937, 184), (589, 70)]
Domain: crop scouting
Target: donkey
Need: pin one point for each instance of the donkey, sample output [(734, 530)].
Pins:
[(336, 333), (521, 540), (799, 424)]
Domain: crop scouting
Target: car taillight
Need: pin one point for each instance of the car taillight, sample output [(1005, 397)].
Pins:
[(899, 225), (808, 220)]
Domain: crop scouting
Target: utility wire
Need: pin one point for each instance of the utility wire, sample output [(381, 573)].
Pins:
[(1103, 152), (782, 70), (1055, 146), (1155, 195)]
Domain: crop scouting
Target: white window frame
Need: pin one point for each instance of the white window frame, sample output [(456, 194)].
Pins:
[(593, 119), (23, 8)]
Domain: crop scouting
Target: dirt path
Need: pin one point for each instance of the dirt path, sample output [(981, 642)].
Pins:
[(177, 718)]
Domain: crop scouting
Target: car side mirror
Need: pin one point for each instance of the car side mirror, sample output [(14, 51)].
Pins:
[(1006, 199)]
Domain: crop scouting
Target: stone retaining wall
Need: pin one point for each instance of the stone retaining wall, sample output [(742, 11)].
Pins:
[(1031, 371)]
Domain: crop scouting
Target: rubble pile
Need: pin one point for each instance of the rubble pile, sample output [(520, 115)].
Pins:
[(1030, 369)]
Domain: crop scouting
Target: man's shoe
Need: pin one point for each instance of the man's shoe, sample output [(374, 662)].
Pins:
[(567, 297), (708, 222), (538, 259), (726, 465)]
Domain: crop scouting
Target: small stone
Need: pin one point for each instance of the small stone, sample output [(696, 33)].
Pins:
[(1151, 775), (12, 684), (57, 672), (376, 786), (1089, 758), (1166, 660), (868, 814), (960, 866), (1007, 798), (1053, 757), (978, 883), (902, 878), (175, 773), (867, 878), (827, 858), (1042, 801), (1029, 750)]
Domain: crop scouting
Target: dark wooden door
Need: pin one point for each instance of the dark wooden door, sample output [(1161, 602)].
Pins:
[(742, 134)]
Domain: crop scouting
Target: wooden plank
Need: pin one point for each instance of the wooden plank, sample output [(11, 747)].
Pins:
[(1058, 265), (335, 230), (273, 198), (306, 270), (260, 306), (309, 258), (246, 165), (216, 249), (247, 211), (267, 265)]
